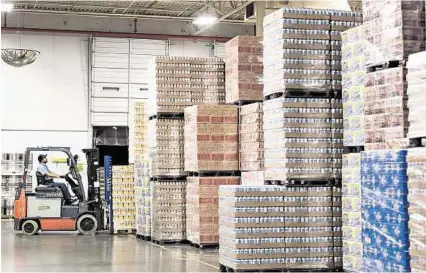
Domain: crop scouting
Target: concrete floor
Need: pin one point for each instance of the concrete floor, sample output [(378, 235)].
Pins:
[(103, 252)]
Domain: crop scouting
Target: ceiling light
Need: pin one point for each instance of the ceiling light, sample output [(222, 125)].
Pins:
[(19, 57), (205, 20), (6, 7)]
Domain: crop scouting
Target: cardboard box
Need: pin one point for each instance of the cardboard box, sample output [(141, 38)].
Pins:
[(244, 69), (211, 150)]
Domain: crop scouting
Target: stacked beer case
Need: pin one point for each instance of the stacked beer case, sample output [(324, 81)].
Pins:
[(12, 169), (392, 33), (178, 82), (384, 211), (303, 140), (244, 87), (416, 170), (123, 199), (279, 228), (211, 158)]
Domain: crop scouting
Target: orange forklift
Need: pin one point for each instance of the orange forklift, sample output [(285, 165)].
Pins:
[(45, 209)]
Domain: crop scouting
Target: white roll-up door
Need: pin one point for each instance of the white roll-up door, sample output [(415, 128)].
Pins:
[(118, 74), (219, 50)]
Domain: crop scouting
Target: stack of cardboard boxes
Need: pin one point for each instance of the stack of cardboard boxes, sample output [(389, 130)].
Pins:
[(353, 73), (351, 212), (251, 137), (393, 29), (385, 232), (386, 113), (211, 138), (281, 228), (143, 198), (123, 193), (202, 208), (211, 149), (181, 82), (416, 170), (416, 67), (169, 214), (166, 146), (302, 138), (244, 69)]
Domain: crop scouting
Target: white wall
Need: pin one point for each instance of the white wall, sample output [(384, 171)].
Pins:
[(45, 103), (191, 48)]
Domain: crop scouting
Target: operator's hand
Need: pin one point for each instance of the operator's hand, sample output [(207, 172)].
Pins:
[(62, 176)]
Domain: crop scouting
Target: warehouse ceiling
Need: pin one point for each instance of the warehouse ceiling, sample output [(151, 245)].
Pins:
[(229, 11), (138, 8)]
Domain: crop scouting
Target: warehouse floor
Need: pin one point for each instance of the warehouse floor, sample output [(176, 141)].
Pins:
[(102, 252)]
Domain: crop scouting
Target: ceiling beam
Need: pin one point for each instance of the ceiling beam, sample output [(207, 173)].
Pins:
[(224, 17), (119, 15), (187, 8), (206, 3), (131, 4)]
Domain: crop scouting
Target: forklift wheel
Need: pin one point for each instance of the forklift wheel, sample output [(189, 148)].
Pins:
[(87, 224), (30, 227)]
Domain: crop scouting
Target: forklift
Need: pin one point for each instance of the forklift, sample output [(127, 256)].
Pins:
[(45, 209)]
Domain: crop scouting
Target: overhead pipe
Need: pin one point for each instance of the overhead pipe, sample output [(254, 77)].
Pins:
[(121, 34)]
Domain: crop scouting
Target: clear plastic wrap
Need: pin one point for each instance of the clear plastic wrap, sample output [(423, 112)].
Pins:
[(302, 49), (123, 198), (386, 113), (251, 137), (416, 159), (277, 227), (182, 81), (394, 29), (143, 198), (351, 212), (384, 211), (169, 210), (302, 138), (244, 69), (353, 73), (416, 80), (166, 146)]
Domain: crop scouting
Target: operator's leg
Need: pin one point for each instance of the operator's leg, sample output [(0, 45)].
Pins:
[(68, 187), (63, 189)]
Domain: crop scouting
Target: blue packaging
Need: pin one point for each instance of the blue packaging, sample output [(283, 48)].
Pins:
[(384, 210)]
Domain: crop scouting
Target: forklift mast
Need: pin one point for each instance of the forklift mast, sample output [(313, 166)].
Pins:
[(94, 191)]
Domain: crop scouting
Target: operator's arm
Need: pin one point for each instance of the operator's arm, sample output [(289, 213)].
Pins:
[(53, 175)]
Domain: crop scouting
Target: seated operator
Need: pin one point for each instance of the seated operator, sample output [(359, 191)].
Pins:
[(48, 177)]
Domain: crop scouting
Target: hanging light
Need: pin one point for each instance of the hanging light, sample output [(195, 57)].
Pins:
[(19, 57)]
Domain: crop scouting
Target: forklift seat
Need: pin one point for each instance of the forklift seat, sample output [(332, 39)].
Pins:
[(45, 189), (42, 187)]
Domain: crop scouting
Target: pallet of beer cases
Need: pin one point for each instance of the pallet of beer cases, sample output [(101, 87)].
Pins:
[(202, 208), (143, 200), (393, 31), (123, 199), (278, 228), (416, 169), (353, 73), (250, 137), (351, 212), (179, 82), (384, 203), (416, 81), (244, 69), (168, 210)]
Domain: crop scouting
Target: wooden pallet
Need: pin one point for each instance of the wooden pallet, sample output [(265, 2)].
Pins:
[(124, 231), (168, 242), (143, 237), (386, 65), (204, 246), (224, 268)]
